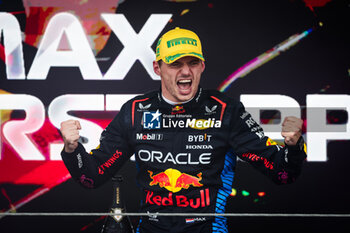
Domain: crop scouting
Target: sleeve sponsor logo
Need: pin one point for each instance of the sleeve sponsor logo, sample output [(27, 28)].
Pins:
[(87, 182), (256, 158), (253, 126), (80, 161), (109, 162), (283, 177), (270, 142)]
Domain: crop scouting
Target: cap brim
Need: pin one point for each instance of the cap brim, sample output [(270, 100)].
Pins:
[(171, 59)]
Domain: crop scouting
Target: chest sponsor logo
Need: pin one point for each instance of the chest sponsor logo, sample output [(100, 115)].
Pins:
[(194, 123), (199, 147), (202, 199), (174, 180), (199, 138), (152, 120), (180, 158), (177, 110), (149, 136)]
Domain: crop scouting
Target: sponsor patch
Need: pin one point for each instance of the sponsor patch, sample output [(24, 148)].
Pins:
[(152, 120)]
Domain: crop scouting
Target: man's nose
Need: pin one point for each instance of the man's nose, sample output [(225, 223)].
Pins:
[(185, 70)]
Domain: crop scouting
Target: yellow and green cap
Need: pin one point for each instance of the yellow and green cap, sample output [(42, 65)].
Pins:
[(178, 43)]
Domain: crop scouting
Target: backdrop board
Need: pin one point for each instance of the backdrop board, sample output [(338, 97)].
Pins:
[(82, 59)]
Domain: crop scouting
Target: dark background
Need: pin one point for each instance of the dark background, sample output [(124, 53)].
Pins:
[(232, 33)]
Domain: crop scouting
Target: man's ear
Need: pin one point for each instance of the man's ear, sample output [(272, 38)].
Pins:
[(156, 68), (203, 66)]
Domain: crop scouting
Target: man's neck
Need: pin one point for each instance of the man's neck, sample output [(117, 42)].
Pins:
[(174, 103)]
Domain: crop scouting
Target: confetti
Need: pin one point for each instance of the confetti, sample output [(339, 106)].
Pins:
[(184, 12), (261, 194), (233, 193), (245, 193), (262, 59)]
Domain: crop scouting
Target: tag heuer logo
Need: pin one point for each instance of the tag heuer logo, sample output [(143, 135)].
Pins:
[(210, 110), (143, 108)]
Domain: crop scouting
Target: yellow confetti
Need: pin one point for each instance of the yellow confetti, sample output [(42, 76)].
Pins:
[(184, 12), (233, 193)]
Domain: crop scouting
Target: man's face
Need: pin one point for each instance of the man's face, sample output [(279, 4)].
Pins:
[(180, 79)]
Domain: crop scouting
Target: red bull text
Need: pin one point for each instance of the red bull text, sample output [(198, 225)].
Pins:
[(202, 200)]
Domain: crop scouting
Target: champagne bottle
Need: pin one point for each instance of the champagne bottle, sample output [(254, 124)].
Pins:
[(117, 223)]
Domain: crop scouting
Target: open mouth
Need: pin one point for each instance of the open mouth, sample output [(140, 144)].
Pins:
[(184, 84)]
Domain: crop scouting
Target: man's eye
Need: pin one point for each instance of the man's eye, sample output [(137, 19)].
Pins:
[(175, 64), (194, 63)]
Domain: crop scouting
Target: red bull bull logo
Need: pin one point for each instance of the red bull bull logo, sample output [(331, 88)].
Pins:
[(177, 110), (270, 142), (174, 180)]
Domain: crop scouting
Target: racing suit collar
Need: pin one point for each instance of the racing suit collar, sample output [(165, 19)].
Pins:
[(193, 102)]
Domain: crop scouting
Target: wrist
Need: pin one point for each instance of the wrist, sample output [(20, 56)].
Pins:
[(298, 146), (68, 150)]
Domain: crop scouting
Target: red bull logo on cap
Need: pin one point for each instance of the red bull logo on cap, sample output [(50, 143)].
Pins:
[(174, 180)]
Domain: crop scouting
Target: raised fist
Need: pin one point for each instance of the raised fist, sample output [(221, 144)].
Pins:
[(70, 133), (292, 130)]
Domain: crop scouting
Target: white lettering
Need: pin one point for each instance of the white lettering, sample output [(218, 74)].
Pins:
[(16, 131), (80, 54), (58, 112), (9, 28), (318, 131), (144, 152), (286, 105), (136, 46)]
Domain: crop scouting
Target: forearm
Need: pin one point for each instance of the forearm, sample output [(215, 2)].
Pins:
[(83, 167)]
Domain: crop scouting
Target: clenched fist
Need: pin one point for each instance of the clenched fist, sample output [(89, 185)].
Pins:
[(291, 130), (70, 133)]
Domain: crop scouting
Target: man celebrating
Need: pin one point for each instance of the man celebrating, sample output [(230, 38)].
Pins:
[(186, 141)]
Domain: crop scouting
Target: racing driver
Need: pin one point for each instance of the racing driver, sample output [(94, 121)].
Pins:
[(186, 141)]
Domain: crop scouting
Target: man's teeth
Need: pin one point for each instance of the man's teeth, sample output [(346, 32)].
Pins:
[(184, 81)]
